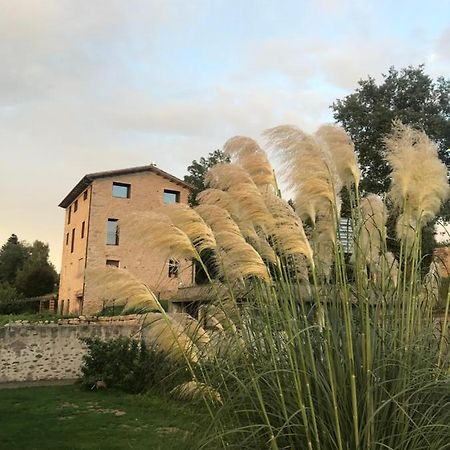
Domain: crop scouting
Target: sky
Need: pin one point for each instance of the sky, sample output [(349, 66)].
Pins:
[(94, 85)]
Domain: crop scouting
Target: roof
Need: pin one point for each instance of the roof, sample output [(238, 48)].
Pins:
[(89, 178)]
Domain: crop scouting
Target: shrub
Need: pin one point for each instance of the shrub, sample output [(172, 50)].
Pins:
[(129, 365)]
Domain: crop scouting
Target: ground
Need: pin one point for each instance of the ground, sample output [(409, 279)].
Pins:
[(65, 417)]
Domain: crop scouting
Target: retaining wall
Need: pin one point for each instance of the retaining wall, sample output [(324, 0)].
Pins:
[(53, 351)]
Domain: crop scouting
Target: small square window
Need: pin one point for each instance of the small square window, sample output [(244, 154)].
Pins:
[(112, 262), (174, 266), (171, 196), (121, 190), (75, 206), (112, 232)]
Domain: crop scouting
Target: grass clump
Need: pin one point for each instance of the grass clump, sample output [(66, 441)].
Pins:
[(309, 347)]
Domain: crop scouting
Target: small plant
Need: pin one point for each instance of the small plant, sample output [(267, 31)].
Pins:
[(128, 365)]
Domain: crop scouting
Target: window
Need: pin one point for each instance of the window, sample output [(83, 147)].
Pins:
[(82, 229), (72, 244), (173, 268), (69, 214), (112, 262), (75, 206), (171, 196), (112, 232), (85, 194), (67, 239), (121, 190)]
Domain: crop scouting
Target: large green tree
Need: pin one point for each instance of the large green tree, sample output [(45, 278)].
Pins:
[(25, 269), (409, 95), (413, 97), (13, 255), (197, 171)]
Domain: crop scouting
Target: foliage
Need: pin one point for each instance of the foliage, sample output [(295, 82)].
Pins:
[(128, 365), (7, 292), (37, 276), (30, 317), (409, 95), (26, 268), (197, 171), (303, 344), (367, 115), (13, 255)]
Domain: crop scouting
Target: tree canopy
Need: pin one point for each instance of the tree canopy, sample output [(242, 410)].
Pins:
[(367, 114), (25, 270), (197, 171)]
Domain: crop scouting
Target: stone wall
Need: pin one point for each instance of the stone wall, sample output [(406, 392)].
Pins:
[(53, 351)]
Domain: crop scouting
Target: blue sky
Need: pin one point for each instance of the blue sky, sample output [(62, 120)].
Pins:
[(93, 85)]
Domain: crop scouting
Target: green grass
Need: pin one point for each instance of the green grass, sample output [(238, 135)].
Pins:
[(31, 317), (65, 417)]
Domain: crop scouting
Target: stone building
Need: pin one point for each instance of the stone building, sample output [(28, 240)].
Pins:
[(93, 235)]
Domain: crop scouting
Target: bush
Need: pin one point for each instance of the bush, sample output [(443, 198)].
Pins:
[(129, 365)]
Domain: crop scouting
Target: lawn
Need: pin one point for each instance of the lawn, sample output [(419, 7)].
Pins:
[(65, 417)]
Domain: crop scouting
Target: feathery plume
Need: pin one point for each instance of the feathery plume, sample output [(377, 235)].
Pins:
[(342, 151), (170, 336), (239, 260), (156, 230), (218, 198), (188, 221), (218, 218), (120, 287), (419, 179), (224, 176), (287, 230), (253, 159), (247, 204), (373, 227), (192, 329), (308, 169)]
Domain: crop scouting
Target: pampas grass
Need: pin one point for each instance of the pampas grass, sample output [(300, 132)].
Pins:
[(287, 229), (308, 169), (419, 179), (158, 232), (188, 221), (353, 361), (238, 259), (163, 332), (342, 151), (372, 235), (249, 155), (119, 287)]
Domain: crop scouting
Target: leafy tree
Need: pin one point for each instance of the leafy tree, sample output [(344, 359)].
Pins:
[(38, 276), (367, 114), (13, 255), (7, 292), (197, 171), (409, 95), (25, 270)]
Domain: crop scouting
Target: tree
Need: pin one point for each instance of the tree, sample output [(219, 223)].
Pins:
[(13, 255), (197, 171), (367, 114), (25, 270), (38, 276), (409, 95)]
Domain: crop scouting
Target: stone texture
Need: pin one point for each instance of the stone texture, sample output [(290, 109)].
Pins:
[(31, 352)]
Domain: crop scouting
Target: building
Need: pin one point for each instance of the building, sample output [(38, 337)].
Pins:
[(93, 236)]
